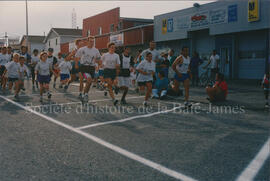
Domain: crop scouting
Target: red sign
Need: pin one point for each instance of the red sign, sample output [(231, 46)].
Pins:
[(198, 18)]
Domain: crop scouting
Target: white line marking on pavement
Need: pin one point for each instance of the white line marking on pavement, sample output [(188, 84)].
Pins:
[(68, 103), (256, 164), (127, 119), (53, 93), (115, 148)]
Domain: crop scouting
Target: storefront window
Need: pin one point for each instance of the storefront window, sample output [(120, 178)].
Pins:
[(255, 54)]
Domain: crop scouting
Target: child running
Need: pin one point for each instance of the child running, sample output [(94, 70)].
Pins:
[(34, 61), (111, 63), (12, 68), (53, 60), (22, 71), (265, 85), (43, 71), (181, 66), (65, 68), (146, 71)]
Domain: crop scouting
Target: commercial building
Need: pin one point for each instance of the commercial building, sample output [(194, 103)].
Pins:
[(110, 27), (237, 29)]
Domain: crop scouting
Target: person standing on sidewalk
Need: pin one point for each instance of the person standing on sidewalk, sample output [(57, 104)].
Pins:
[(265, 85), (195, 62), (213, 62)]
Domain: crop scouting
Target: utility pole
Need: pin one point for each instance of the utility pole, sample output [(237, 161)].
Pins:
[(26, 39)]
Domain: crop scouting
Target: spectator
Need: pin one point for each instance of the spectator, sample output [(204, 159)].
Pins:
[(165, 64), (195, 62), (265, 85), (161, 86), (219, 91), (213, 62)]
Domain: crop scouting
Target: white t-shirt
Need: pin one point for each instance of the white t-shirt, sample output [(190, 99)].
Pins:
[(4, 59), (110, 60), (183, 68), (43, 68), (60, 60), (13, 69), (88, 55), (65, 67), (22, 69), (148, 67), (9, 57), (34, 59), (214, 59), (155, 54), (126, 62)]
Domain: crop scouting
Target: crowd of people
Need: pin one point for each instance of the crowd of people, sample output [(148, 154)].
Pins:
[(154, 73)]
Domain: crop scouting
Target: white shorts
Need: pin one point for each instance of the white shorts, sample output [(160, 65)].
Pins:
[(124, 81)]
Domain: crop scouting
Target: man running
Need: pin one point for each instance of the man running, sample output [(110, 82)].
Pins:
[(111, 63), (88, 57), (181, 66), (126, 62)]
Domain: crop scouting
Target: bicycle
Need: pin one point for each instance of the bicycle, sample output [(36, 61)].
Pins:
[(205, 79)]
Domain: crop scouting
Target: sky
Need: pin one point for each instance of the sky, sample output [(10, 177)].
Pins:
[(43, 15)]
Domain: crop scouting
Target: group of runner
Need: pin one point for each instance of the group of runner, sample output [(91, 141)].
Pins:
[(115, 71)]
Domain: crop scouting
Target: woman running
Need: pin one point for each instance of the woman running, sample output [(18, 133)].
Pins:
[(146, 71), (43, 71)]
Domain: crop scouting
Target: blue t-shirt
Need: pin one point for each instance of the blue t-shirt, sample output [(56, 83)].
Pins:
[(162, 84)]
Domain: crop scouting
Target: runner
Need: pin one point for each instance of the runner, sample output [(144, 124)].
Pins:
[(219, 91), (213, 62), (43, 71), (27, 57), (111, 63), (88, 56), (265, 85), (53, 60), (12, 69), (146, 71), (34, 60), (181, 66), (65, 68), (155, 56), (126, 62), (101, 75), (9, 53), (75, 64), (195, 62), (22, 71), (3, 62)]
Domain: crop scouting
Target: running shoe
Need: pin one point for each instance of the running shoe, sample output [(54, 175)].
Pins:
[(16, 96), (66, 87), (41, 99), (145, 104), (105, 93), (85, 98), (187, 104), (49, 95), (116, 90), (123, 101), (115, 102), (60, 86)]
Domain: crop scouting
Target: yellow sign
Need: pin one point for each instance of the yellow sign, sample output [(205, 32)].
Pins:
[(253, 10), (164, 26)]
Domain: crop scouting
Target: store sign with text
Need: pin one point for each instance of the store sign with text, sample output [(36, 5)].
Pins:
[(253, 10), (199, 20), (118, 39), (218, 16)]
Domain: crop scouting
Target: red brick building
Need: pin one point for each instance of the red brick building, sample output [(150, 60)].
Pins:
[(109, 26)]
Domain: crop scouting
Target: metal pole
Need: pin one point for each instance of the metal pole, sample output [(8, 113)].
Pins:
[(267, 51), (26, 39)]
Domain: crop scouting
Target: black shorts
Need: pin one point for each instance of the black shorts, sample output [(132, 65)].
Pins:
[(2, 70), (124, 73), (87, 69), (110, 73), (12, 79), (144, 83), (74, 71)]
